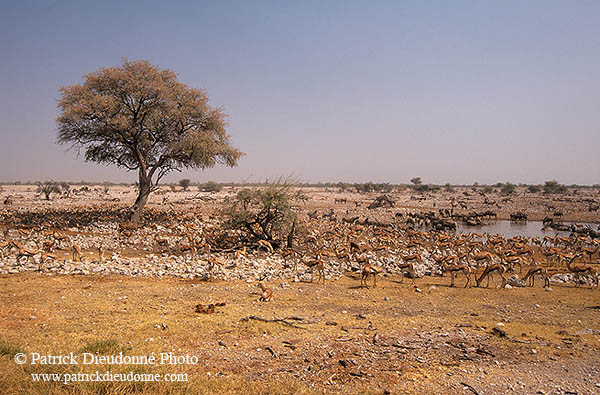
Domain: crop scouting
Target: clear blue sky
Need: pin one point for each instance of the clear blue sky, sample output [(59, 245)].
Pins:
[(451, 91)]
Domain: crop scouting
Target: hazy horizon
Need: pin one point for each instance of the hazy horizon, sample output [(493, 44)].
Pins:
[(349, 91)]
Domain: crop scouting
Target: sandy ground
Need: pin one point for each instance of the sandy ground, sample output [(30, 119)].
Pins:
[(392, 338)]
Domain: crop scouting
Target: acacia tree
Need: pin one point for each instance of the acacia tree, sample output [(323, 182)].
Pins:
[(141, 118), (47, 188)]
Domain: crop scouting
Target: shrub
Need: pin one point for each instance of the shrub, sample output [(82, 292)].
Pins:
[(421, 187), (366, 187), (383, 187), (210, 186), (48, 188), (185, 183), (342, 186), (554, 187), (507, 188), (265, 213)]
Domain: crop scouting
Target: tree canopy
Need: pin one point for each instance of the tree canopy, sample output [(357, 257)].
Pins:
[(141, 118)]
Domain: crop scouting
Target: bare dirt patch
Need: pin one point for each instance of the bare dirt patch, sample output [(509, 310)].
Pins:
[(349, 340)]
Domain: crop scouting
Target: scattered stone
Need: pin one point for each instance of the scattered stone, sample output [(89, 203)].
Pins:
[(205, 309), (376, 338), (498, 332), (588, 331)]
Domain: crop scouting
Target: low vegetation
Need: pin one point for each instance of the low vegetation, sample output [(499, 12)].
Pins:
[(265, 213), (507, 188), (47, 188), (210, 186), (185, 184), (553, 187)]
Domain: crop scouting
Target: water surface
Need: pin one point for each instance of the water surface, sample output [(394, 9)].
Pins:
[(511, 229)]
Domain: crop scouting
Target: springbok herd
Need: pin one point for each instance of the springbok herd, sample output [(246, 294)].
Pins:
[(370, 249)]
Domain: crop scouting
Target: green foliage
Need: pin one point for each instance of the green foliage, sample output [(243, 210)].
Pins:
[(422, 187), (210, 186), (184, 183), (342, 186), (383, 187), (366, 187), (371, 187), (553, 186), (507, 188), (448, 187), (141, 118), (416, 180), (534, 188), (264, 213)]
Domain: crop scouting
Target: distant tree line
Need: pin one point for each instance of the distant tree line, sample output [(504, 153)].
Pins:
[(47, 188)]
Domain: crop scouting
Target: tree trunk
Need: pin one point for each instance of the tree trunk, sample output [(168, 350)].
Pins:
[(144, 189)]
